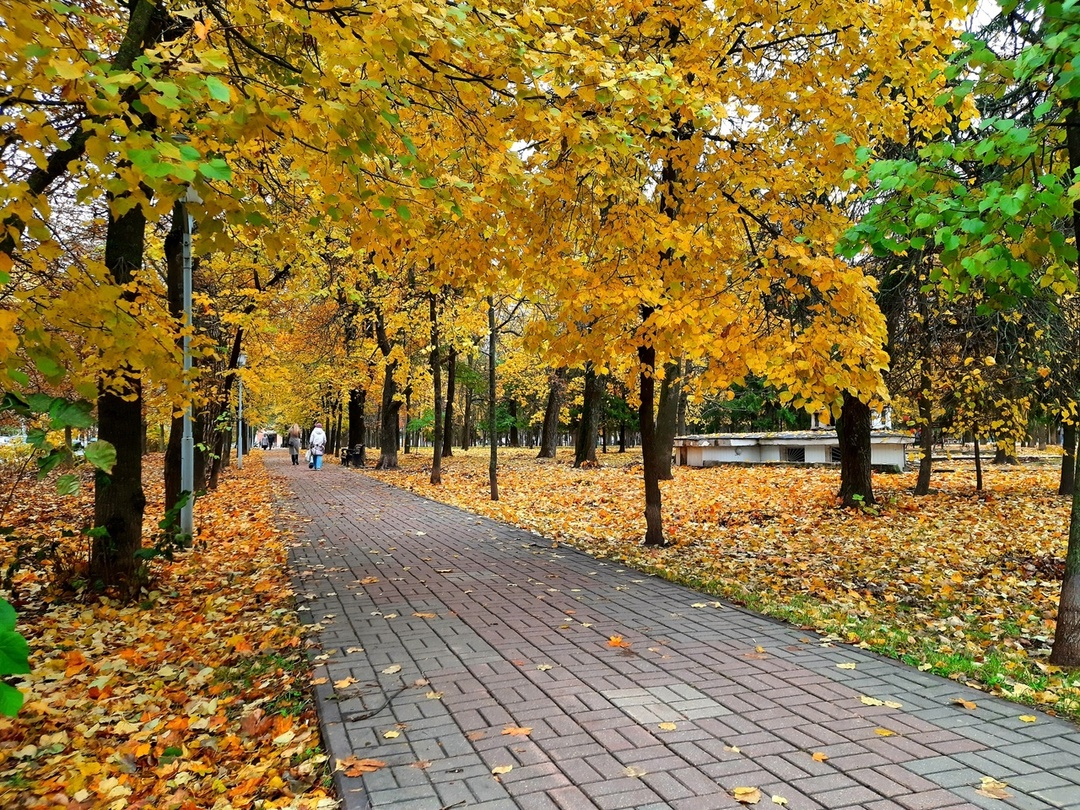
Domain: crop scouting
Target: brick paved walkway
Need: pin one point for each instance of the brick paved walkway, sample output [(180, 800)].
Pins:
[(510, 632)]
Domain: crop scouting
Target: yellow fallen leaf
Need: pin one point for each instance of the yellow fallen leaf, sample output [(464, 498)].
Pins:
[(319, 681), (1028, 718), (393, 668), (391, 734), (358, 767), (892, 704), (732, 748), (884, 732), (369, 580), (347, 681), (780, 800), (433, 695), (635, 773), (993, 788), (869, 701), (668, 726), (543, 667), (517, 731), (746, 795), (499, 770), (426, 615), (967, 704), (818, 756), (759, 649), (617, 641), (846, 665)]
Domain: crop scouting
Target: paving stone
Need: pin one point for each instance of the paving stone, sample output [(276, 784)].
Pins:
[(501, 600)]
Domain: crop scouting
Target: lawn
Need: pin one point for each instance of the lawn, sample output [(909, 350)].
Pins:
[(194, 696), (961, 583)]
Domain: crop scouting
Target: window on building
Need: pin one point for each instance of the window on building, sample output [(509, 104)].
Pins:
[(834, 455), (795, 454)]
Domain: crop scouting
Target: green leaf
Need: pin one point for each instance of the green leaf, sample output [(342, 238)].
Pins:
[(102, 455), (65, 413), (842, 139), (216, 169), (67, 485), (14, 653), (36, 437), (428, 182), (11, 700), (218, 89), (404, 213), (7, 616)]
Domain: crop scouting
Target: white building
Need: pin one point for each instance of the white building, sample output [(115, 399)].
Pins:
[(818, 446)]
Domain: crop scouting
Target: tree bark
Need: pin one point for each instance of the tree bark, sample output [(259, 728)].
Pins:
[(448, 428), (585, 440), (654, 526), (436, 381), (466, 426), (853, 434), (1066, 649), (514, 439), (493, 435), (119, 501), (978, 465), (667, 414), (1068, 461), (926, 406), (388, 425), (549, 436), (408, 415), (357, 426)]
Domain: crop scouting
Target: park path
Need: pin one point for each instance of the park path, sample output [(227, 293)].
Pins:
[(502, 631)]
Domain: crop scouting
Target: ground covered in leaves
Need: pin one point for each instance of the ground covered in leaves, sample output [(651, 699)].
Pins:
[(192, 697), (961, 583)]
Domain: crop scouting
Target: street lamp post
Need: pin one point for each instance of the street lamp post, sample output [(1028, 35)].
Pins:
[(241, 361), (187, 441)]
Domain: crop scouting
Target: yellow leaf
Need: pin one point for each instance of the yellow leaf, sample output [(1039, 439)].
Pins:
[(870, 701), (617, 641), (892, 704), (884, 732), (1028, 718), (818, 756), (517, 731), (780, 800), (848, 665), (746, 795), (392, 669), (391, 734), (499, 770), (668, 726), (967, 704)]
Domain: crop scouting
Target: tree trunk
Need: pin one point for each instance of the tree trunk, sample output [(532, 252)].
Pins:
[(408, 415), (119, 501), (436, 381), (1068, 460), (466, 426), (926, 405), (853, 433), (978, 465), (654, 526), (585, 441), (448, 428), (667, 414), (515, 438), (1066, 649), (493, 436), (622, 437), (357, 426), (388, 427), (337, 429), (549, 436)]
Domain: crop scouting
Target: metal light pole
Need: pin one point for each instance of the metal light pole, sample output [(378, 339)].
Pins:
[(241, 361), (187, 442)]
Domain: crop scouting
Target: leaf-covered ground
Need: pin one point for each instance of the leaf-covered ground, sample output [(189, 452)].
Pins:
[(960, 583), (194, 698)]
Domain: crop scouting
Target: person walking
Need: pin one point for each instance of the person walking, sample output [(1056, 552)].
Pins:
[(316, 445), (294, 443)]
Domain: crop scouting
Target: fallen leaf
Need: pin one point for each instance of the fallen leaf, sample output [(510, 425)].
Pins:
[(617, 641), (544, 667), (668, 726), (892, 704), (870, 701), (517, 731), (392, 669), (433, 695), (967, 704), (369, 580), (319, 681), (818, 756), (499, 770), (635, 773), (732, 748), (780, 800), (426, 615), (846, 665), (422, 764), (759, 649), (391, 734), (884, 732), (351, 650), (352, 766), (746, 795), (1028, 718), (344, 682), (473, 736), (993, 788)]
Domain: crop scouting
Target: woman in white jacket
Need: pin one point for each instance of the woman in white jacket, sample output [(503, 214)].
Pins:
[(316, 445)]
